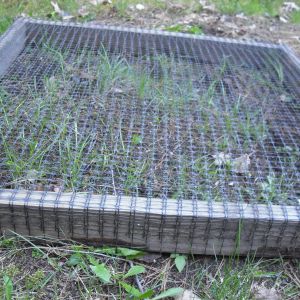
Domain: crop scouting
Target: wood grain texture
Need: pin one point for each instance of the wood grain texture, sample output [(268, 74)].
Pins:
[(11, 44), (185, 227)]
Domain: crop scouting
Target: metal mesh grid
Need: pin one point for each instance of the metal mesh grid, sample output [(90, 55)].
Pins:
[(126, 113)]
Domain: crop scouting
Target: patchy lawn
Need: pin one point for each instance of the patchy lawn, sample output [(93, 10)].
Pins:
[(273, 20), (45, 269), (50, 269)]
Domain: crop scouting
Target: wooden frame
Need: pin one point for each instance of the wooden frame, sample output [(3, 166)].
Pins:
[(195, 227), (168, 225)]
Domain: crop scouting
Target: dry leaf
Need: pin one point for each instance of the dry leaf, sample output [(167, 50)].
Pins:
[(264, 293), (98, 2), (284, 98), (283, 20), (187, 295), (116, 90), (221, 159), (56, 7), (32, 175), (241, 164), (208, 6), (288, 7), (85, 75), (64, 15), (140, 6), (83, 11)]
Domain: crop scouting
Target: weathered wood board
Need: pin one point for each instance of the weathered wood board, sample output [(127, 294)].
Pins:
[(187, 227)]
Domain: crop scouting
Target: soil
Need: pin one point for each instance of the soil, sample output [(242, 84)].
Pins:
[(239, 26)]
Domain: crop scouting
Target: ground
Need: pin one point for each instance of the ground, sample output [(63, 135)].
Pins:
[(272, 20), (65, 270), (48, 269)]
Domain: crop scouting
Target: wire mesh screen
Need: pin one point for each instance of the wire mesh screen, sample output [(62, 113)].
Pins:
[(126, 113)]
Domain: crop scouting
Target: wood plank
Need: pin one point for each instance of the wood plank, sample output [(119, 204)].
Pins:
[(198, 228), (11, 45)]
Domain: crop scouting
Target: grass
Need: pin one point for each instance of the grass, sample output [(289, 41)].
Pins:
[(43, 9), (123, 9), (33, 8), (45, 268), (87, 144), (295, 17), (249, 7), (185, 28), (71, 143)]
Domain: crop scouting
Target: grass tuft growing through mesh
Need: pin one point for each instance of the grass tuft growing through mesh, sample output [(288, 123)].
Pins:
[(105, 122)]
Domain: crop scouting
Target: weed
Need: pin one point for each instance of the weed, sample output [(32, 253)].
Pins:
[(277, 66), (253, 127), (8, 287), (71, 153), (134, 175), (143, 82), (185, 28), (181, 189), (272, 189), (136, 139), (7, 242), (77, 270), (35, 253), (233, 280), (35, 280), (110, 72), (29, 165), (180, 261), (12, 271)]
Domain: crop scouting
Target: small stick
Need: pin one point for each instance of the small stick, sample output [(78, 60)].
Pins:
[(113, 181), (137, 280)]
